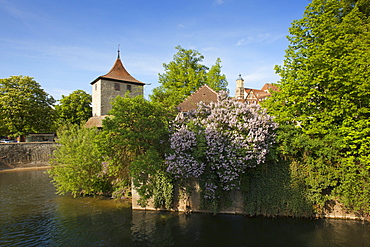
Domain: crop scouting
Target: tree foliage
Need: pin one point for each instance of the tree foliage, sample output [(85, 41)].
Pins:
[(130, 146), (216, 144), (324, 101), (74, 108), (184, 75), (78, 163), (24, 107), (137, 136)]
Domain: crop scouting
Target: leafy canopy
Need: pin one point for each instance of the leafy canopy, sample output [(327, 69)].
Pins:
[(74, 108), (78, 163), (184, 75), (325, 76), (131, 145), (324, 98), (24, 107), (137, 134)]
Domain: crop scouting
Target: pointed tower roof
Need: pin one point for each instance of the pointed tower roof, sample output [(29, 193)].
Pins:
[(119, 73)]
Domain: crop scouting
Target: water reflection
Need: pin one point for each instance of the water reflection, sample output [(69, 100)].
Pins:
[(32, 215)]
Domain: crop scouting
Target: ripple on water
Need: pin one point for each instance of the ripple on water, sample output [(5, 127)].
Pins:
[(31, 214)]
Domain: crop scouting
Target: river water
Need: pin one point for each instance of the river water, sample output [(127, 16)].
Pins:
[(31, 214)]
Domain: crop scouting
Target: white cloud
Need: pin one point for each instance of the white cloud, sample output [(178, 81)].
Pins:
[(262, 37), (20, 12), (219, 2)]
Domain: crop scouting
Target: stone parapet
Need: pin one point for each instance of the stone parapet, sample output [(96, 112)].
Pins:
[(27, 154)]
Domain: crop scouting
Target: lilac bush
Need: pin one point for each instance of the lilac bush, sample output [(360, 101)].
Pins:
[(217, 142)]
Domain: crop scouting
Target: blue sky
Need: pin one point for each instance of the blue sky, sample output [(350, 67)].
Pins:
[(66, 44)]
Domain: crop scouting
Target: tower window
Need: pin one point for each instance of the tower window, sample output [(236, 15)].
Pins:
[(116, 87), (128, 88)]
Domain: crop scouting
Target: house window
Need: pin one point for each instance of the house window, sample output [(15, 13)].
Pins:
[(128, 88), (116, 86)]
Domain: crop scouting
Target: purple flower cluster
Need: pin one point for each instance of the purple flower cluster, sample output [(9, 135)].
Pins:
[(183, 164), (223, 138)]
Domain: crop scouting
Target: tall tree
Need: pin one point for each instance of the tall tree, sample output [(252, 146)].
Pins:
[(74, 108), (24, 107), (325, 96), (184, 75), (325, 76)]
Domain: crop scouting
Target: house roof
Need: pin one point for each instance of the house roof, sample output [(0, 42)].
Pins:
[(204, 94), (268, 86), (256, 95), (119, 73), (259, 94)]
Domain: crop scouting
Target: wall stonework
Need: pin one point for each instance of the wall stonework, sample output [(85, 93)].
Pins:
[(192, 203), (103, 92), (334, 209), (17, 155)]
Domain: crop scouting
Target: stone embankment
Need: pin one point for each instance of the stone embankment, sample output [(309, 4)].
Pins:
[(192, 203), (27, 154)]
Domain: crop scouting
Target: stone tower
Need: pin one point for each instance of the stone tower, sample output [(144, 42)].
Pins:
[(239, 92), (107, 87)]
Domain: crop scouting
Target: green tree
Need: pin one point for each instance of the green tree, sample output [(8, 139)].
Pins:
[(78, 163), (131, 145), (24, 107), (184, 75), (137, 136), (324, 99), (74, 108)]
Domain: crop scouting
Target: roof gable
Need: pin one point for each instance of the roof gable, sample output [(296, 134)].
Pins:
[(268, 86), (204, 94)]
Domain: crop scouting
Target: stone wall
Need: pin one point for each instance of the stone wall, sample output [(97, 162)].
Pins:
[(333, 209), (103, 92), (17, 155), (192, 203)]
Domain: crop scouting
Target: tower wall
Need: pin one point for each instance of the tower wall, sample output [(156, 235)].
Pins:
[(239, 91), (104, 91), (96, 99)]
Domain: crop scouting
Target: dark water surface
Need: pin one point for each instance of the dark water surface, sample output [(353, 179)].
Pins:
[(32, 215)]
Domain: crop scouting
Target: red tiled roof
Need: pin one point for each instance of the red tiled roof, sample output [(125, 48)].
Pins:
[(118, 72), (204, 94), (259, 94), (268, 86)]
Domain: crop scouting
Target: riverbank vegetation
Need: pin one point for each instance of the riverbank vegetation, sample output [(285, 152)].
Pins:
[(130, 148), (318, 154), (323, 103)]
